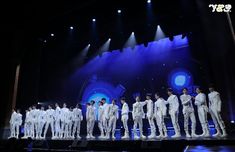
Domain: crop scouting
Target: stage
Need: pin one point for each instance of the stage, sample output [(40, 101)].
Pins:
[(168, 144)]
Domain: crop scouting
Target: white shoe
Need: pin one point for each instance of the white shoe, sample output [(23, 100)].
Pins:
[(218, 134), (88, 137), (188, 136), (125, 137), (224, 135), (194, 136), (136, 137), (176, 136), (142, 137), (206, 135), (113, 137), (151, 136), (92, 137), (78, 137)]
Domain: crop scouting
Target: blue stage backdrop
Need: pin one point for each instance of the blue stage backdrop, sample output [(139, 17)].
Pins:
[(141, 69)]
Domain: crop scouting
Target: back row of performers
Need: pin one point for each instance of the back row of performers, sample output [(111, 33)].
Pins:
[(65, 123)]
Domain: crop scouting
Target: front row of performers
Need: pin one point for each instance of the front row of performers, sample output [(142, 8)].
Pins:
[(65, 123)]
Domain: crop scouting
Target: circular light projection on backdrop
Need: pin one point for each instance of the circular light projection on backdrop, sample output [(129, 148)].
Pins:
[(180, 78)]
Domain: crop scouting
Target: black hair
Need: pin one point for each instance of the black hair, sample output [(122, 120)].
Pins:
[(212, 86), (158, 94), (103, 99), (92, 101), (170, 90), (88, 103), (123, 98), (185, 89)]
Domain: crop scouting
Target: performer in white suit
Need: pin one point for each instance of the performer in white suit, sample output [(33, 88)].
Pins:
[(68, 123), (100, 118), (49, 121), (41, 122), (113, 116), (188, 112), (105, 119), (125, 116), (34, 128), (18, 123), (215, 109), (174, 111), (63, 116), (138, 115), (27, 124), (57, 120), (150, 116), (200, 101), (159, 114), (77, 112), (90, 118), (12, 124)]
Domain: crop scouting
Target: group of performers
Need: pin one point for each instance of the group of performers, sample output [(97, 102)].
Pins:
[(65, 122)]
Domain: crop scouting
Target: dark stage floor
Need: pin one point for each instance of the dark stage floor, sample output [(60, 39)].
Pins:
[(169, 144)]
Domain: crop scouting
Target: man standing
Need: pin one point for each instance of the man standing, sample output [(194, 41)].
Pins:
[(77, 112), (41, 121), (57, 120), (100, 118), (105, 119), (174, 111), (63, 115), (138, 115), (125, 113), (215, 109), (113, 116), (49, 121), (188, 112), (34, 113), (150, 117), (18, 122), (27, 124), (90, 117), (159, 114), (12, 124), (200, 102)]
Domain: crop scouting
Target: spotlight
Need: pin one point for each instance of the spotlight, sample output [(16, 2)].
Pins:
[(132, 33), (232, 121), (109, 39), (71, 27), (89, 45), (119, 11), (52, 34), (45, 41), (93, 20), (149, 1)]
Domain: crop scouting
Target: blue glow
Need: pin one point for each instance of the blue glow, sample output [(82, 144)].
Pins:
[(180, 78)]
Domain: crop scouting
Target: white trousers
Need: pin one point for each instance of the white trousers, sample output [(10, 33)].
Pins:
[(76, 127), (138, 121), (125, 125), (90, 126), (190, 115), (112, 124), (174, 120), (152, 125), (51, 123), (216, 117)]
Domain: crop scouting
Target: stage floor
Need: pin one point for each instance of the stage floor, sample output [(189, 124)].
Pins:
[(168, 144)]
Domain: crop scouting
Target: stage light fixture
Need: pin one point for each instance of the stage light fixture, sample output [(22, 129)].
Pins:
[(148, 1), (71, 28), (119, 11), (52, 34), (232, 121), (93, 20)]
